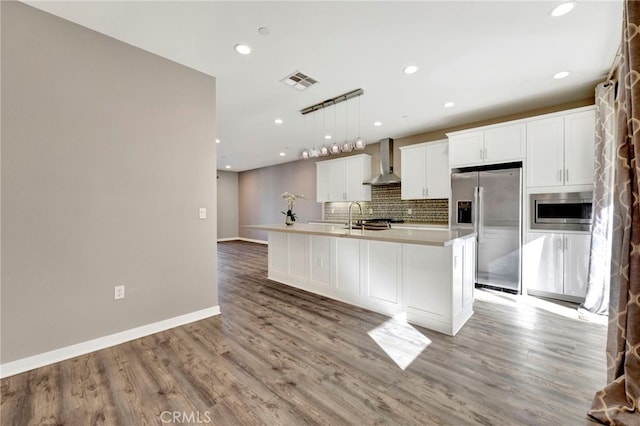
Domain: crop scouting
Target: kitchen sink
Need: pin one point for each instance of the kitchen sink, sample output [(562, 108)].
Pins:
[(369, 226)]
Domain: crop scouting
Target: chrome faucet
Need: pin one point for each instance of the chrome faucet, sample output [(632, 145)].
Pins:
[(350, 218)]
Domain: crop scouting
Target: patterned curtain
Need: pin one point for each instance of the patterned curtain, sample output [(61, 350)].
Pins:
[(596, 300), (619, 402)]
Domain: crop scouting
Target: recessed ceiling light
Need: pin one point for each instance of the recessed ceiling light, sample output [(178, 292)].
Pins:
[(217, 140), (561, 74), (227, 166), (377, 123), (562, 9), (282, 154), (327, 137), (242, 49), (263, 31), (449, 104), (410, 69), (278, 121)]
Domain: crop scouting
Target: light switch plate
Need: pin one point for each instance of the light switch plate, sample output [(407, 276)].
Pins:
[(203, 213)]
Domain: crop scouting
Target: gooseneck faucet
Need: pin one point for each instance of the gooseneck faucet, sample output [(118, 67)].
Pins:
[(350, 218)]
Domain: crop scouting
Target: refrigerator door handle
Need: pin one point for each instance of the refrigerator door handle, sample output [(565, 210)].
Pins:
[(478, 224)]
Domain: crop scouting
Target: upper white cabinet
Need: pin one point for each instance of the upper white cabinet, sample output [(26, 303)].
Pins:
[(560, 150), (495, 144), (425, 171), (341, 179)]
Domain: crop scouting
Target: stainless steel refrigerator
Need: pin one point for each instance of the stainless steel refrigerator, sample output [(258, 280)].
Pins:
[(490, 202)]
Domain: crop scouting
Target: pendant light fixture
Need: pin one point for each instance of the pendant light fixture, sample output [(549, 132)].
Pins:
[(335, 148)]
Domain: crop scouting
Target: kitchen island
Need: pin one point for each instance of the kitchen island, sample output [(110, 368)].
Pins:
[(426, 273)]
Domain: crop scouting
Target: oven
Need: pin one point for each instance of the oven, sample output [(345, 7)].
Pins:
[(563, 211)]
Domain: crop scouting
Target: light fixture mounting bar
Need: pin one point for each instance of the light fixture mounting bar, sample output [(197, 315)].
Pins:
[(332, 101)]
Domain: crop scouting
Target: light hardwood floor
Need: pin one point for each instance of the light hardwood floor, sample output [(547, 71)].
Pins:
[(280, 356)]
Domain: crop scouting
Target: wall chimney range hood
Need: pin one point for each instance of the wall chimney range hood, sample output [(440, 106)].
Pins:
[(386, 176)]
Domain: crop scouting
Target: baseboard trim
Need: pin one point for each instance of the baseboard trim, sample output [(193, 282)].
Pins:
[(36, 361), (249, 240)]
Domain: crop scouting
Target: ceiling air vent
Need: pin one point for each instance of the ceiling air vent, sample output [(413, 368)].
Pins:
[(299, 81)]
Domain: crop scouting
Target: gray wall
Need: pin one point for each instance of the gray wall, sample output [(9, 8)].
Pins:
[(260, 195), (227, 204), (106, 159)]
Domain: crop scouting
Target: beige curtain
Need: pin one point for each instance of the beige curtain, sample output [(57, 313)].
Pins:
[(619, 402), (596, 300)]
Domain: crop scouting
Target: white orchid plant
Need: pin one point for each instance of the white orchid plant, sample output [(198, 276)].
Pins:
[(291, 199)]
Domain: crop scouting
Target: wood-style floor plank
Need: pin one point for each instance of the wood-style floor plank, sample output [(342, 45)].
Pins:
[(280, 356)]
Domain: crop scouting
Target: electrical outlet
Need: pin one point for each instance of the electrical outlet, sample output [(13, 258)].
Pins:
[(203, 213), (118, 292), (370, 211), (409, 211)]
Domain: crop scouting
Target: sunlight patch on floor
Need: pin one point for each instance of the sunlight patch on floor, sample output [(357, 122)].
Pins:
[(400, 340), (546, 305)]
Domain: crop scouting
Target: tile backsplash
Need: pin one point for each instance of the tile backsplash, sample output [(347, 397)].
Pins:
[(385, 202)]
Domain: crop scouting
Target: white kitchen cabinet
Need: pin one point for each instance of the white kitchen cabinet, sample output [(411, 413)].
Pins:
[(556, 263), (425, 171), (346, 269), (320, 263), (560, 150), (438, 285), (341, 179), (382, 276), (323, 181), (288, 258), (494, 144), (576, 264), (466, 149), (579, 145)]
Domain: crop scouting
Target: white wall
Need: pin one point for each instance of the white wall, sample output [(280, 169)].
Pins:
[(106, 159), (227, 204)]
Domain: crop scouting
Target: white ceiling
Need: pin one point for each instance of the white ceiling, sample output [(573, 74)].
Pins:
[(491, 58)]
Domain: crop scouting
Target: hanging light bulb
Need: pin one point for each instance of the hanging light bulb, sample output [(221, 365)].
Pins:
[(335, 148), (304, 155), (359, 143), (346, 146)]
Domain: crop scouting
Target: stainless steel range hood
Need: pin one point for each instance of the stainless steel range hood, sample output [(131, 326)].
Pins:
[(386, 176)]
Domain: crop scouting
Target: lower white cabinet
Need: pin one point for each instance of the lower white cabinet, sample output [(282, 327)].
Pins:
[(382, 275), (441, 297), (432, 284), (557, 264), (346, 264)]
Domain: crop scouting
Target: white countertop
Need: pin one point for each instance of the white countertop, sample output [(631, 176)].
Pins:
[(430, 237)]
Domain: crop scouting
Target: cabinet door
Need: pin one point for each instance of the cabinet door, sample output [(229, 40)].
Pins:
[(545, 162), (358, 169), (466, 149), (576, 264), (413, 173), (346, 265), (579, 140), (437, 179), (323, 182), (338, 181), (320, 262), (543, 262), (505, 143), (382, 276)]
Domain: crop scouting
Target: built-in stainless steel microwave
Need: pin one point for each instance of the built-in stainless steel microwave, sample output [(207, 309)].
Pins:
[(564, 211)]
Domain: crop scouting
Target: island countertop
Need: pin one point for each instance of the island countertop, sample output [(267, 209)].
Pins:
[(430, 237)]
